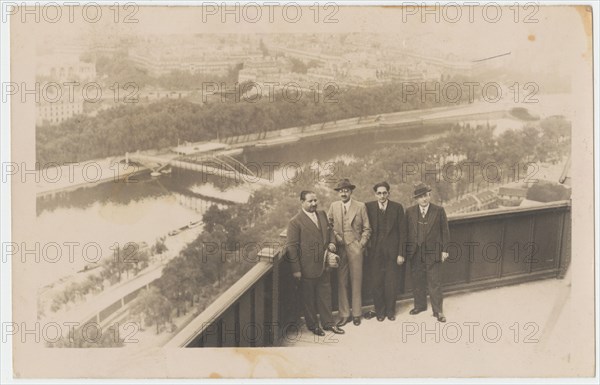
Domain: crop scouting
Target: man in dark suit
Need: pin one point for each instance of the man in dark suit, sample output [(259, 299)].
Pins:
[(385, 251), (428, 238), (308, 238)]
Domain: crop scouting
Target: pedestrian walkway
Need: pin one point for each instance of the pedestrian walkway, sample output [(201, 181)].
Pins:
[(528, 313)]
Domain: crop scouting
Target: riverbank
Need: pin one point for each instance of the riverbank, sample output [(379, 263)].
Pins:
[(54, 180)]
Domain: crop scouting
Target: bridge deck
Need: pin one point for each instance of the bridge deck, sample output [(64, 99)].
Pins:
[(216, 168)]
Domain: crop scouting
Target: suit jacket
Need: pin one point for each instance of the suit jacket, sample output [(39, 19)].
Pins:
[(437, 232), (394, 240), (358, 217), (306, 244)]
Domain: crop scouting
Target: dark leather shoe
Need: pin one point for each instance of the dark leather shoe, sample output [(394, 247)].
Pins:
[(440, 317), (335, 329), (392, 317), (344, 321), (356, 321), (318, 331), (416, 311), (380, 319), (370, 314)]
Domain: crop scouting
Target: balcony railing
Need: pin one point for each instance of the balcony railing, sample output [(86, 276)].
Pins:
[(489, 249)]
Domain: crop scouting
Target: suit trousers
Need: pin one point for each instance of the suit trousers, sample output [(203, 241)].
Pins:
[(383, 276), (350, 273), (316, 297), (426, 277)]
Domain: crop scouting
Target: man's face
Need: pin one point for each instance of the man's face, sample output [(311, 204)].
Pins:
[(345, 194), (310, 203), (423, 200), (382, 194)]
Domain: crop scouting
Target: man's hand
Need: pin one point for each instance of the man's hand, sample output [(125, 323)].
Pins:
[(297, 275), (444, 256), (338, 238), (400, 260), (332, 248)]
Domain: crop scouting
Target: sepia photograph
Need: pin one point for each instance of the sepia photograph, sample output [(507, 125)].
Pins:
[(299, 190)]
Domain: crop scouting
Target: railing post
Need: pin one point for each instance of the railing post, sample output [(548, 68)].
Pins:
[(272, 322), (287, 295), (275, 301), (281, 296), (565, 245)]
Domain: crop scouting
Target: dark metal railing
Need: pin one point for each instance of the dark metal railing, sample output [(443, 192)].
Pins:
[(489, 249)]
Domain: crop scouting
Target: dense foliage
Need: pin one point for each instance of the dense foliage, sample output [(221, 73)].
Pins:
[(128, 128)]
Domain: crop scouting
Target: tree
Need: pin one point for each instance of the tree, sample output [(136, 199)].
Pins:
[(529, 139), (263, 48), (217, 261), (547, 192), (555, 140), (511, 149), (298, 66), (176, 282), (89, 336), (215, 216), (155, 307), (159, 246)]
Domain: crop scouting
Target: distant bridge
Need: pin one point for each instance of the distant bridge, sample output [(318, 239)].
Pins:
[(213, 164)]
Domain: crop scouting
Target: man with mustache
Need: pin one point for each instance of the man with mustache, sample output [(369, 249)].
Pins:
[(308, 237), (352, 231)]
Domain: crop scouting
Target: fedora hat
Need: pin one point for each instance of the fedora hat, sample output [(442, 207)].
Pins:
[(344, 183), (421, 189)]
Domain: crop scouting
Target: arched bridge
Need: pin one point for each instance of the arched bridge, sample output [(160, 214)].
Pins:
[(215, 164)]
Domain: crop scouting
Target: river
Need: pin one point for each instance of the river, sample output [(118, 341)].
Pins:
[(149, 208)]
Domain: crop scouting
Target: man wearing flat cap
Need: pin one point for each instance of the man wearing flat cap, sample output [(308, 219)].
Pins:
[(428, 238), (352, 231)]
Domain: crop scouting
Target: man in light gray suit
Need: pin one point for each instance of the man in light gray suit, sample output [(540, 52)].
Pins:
[(352, 231)]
